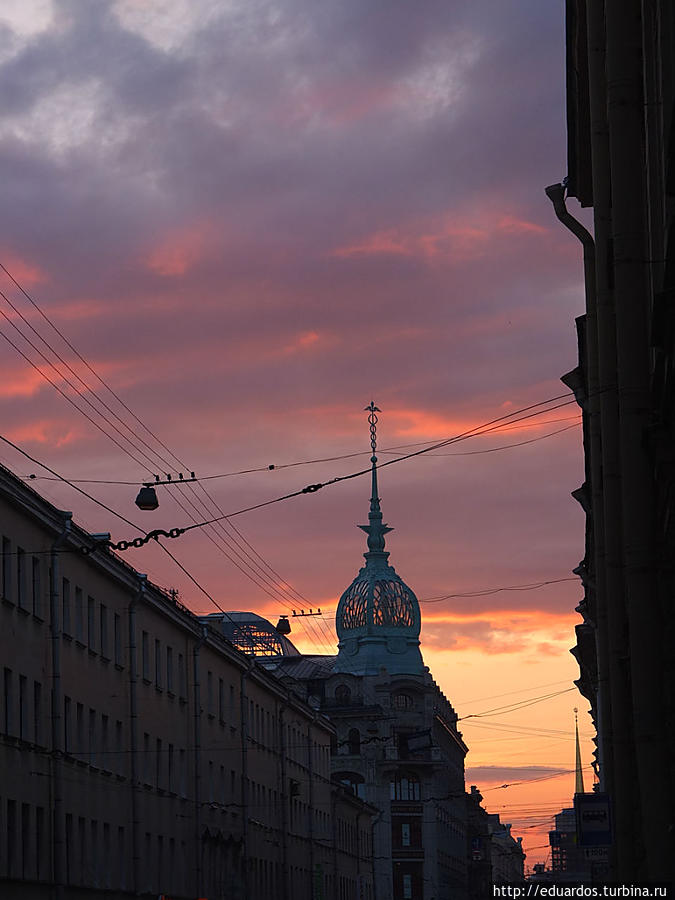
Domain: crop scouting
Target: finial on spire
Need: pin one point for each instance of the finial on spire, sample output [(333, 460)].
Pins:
[(372, 421), (375, 529)]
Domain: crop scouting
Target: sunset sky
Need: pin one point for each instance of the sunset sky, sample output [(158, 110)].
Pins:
[(251, 217)]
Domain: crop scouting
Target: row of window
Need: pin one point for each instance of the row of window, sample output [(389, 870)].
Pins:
[(299, 746), (168, 675), (91, 624), (22, 711), (17, 588), (163, 766), (91, 737), (399, 700), (23, 849), (227, 705)]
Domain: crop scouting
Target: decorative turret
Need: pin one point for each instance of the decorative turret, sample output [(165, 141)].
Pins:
[(378, 616)]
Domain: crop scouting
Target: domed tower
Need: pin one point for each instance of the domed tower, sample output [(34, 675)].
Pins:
[(378, 616)]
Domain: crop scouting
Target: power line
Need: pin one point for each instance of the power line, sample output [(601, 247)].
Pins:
[(124, 519), (232, 541), (531, 586), (514, 707), (507, 693), (506, 446), (309, 462), (312, 488)]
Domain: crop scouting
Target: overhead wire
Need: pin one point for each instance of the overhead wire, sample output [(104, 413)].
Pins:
[(123, 518), (506, 446), (530, 586), (312, 488), (514, 707), (305, 462), (215, 522), (232, 541)]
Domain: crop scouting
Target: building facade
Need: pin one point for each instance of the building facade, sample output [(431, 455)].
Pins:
[(621, 162), (140, 752), (494, 855), (397, 743)]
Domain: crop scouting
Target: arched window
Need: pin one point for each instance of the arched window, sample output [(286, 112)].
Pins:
[(405, 786), (343, 693), (354, 742)]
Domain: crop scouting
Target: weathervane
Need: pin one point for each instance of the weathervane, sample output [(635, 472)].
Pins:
[(375, 530), (372, 419)]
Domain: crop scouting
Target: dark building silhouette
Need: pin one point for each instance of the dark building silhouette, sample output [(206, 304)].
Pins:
[(398, 743), (494, 855), (398, 746), (142, 753), (621, 159)]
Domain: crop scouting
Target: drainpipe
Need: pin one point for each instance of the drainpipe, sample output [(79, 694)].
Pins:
[(284, 797), (592, 409), (243, 707), (56, 756), (197, 761), (133, 735), (632, 293), (310, 830), (334, 839)]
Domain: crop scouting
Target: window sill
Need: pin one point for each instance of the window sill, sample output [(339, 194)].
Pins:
[(66, 636), (7, 601), (38, 618), (92, 652), (23, 610), (80, 644)]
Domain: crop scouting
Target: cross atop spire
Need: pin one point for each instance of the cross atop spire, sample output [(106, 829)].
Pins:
[(375, 529)]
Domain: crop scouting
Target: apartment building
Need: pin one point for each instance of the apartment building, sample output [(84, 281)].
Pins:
[(140, 751)]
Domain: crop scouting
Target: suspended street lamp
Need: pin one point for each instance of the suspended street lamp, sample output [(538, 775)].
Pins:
[(147, 498)]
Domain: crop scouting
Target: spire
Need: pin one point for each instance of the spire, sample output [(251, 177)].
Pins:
[(375, 529), (579, 779)]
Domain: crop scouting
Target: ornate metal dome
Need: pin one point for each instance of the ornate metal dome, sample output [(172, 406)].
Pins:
[(378, 616), (380, 599)]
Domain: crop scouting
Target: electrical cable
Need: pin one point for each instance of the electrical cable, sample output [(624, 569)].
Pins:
[(305, 462), (229, 540), (514, 707), (312, 488), (123, 519), (507, 446), (531, 586), (77, 376)]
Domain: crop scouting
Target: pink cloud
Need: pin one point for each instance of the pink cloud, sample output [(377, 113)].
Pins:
[(443, 239), (502, 631), (45, 431), (27, 273), (181, 249), (20, 383)]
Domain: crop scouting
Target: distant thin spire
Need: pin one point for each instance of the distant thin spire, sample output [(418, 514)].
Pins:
[(579, 779), (375, 529)]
